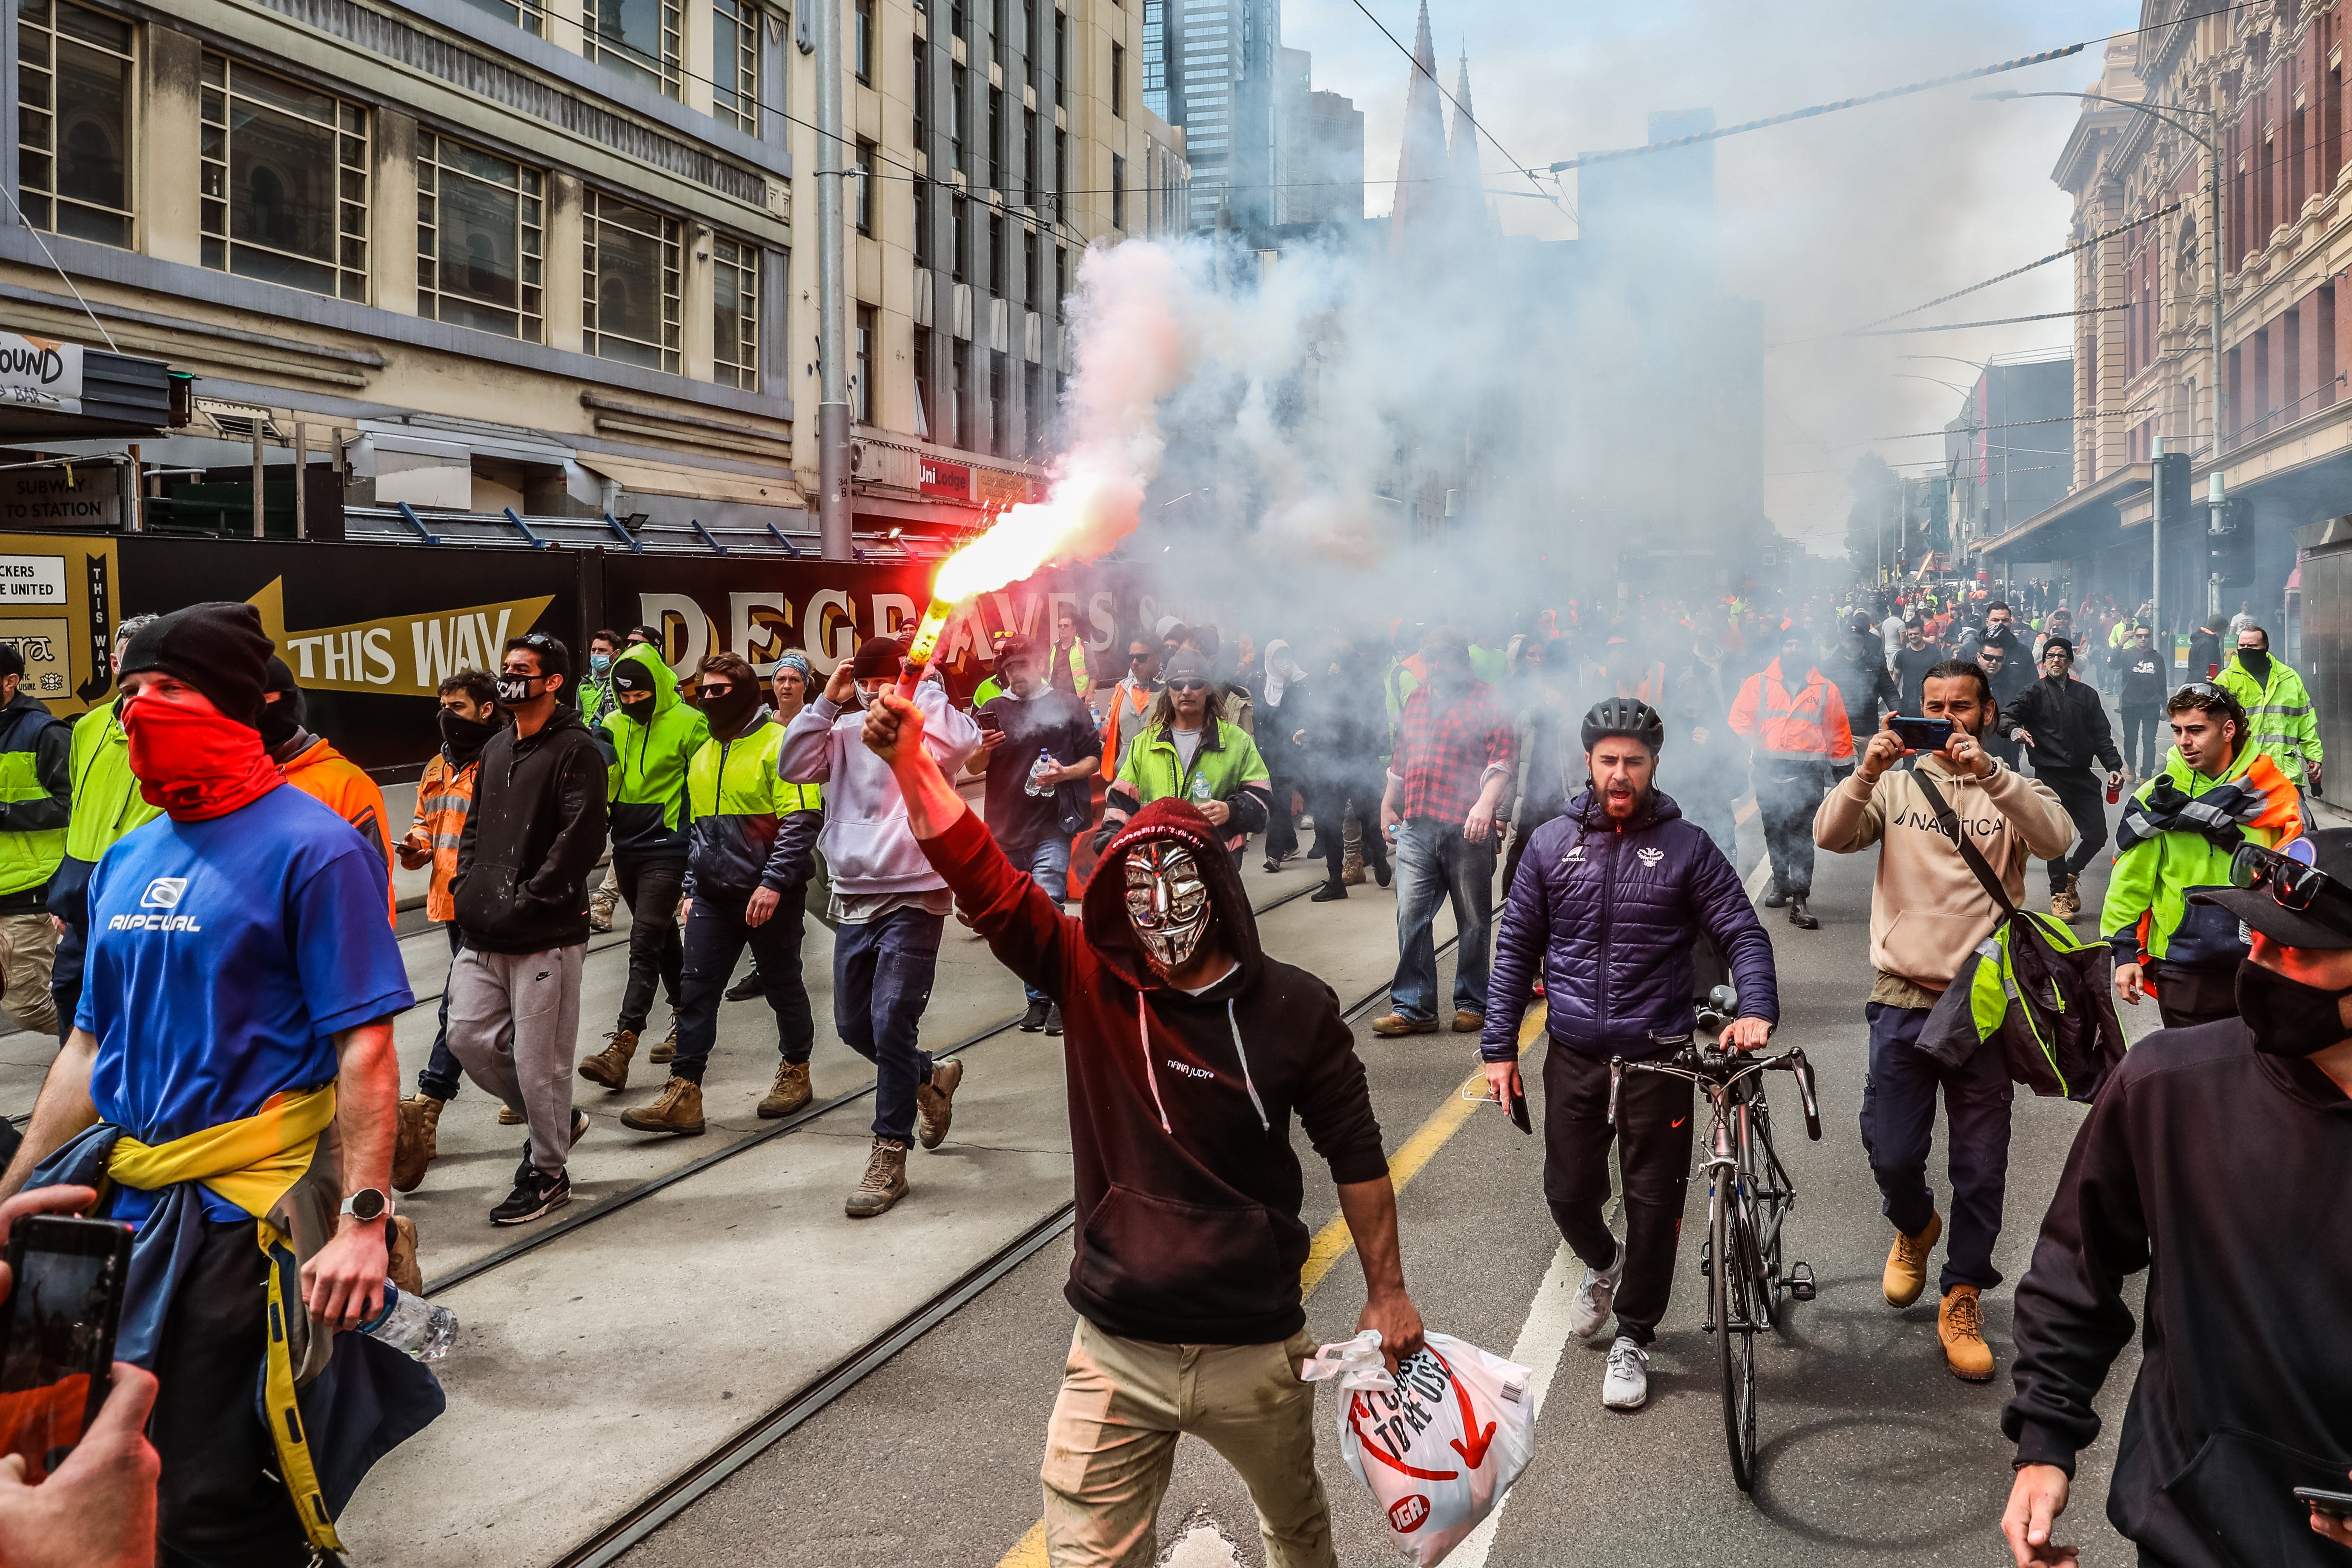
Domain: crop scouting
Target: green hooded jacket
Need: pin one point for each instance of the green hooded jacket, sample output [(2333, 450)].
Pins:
[(2280, 715), (2146, 908), (644, 786)]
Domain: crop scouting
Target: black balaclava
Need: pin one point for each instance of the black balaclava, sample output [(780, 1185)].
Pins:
[(2288, 1017), (462, 739), (729, 714), (216, 647), (2255, 662), (281, 719)]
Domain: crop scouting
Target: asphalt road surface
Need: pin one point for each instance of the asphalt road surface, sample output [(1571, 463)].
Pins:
[(1872, 1451)]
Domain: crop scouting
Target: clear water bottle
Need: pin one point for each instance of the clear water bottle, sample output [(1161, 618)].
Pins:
[(413, 1325), (1044, 760), (1201, 796)]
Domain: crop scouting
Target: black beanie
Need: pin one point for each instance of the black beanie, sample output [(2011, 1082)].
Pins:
[(12, 660), (631, 675), (878, 658), (219, 648), (277, 680)]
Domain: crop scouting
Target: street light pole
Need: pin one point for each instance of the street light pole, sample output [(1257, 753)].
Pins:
[(832, 512), (2216, 485)]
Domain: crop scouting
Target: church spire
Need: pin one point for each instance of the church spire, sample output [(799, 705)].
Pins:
[(1421, 160), (1462, 156)]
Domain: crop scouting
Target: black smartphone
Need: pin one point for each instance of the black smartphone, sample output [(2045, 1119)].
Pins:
[(1518, 1107), (989, 722), (1921, 734), (56, 1333), (2335, 1505)]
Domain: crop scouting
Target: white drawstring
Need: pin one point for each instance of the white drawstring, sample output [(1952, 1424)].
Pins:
[(1264, 1125), (1143, 1033)]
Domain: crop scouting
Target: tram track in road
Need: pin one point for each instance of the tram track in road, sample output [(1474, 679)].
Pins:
[(697, 1480)]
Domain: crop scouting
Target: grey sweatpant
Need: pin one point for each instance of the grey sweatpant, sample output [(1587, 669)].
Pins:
[(514, 1027)]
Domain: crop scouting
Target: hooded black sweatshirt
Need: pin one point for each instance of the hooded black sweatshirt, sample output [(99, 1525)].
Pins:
[(531, 837), (1188, 1192), (2222, 1171)]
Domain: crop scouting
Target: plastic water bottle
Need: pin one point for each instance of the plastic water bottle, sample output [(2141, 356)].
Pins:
[(413, 1325), (1044, 760), (1201, 796)]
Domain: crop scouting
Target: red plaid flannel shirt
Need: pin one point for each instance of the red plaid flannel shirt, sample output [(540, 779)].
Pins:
[(1442, 753)]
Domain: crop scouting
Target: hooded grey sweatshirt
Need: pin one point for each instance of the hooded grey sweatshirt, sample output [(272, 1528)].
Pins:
[(868, 847)]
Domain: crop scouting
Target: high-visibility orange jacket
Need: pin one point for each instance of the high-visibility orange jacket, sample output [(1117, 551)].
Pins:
[(1806, 725), (325, 774), (444, 795)]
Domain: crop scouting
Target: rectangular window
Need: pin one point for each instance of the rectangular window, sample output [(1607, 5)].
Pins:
[(922, 99), (478, 220), (861, 389), (74, 95), (1029, 39), (999, 408), (2297, 165), (959, 106), (1061, 282), (862, 45), (996, 158), (530, 16), (959, 208), (960, 393), (1155, 57), (996, 252), (923, 403), (1117, 191), (923, 223), (629, 297), (638, 39), (1061, 59), (735, 64), (1028, 157), (1000, 37), (284, 182), (1036, 417), (1029, 267), (735, 313), (1061, 170), (1118, 80), (865, 208), (955, 18)]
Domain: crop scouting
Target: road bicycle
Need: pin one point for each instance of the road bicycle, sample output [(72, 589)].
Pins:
[(1750, 1195)]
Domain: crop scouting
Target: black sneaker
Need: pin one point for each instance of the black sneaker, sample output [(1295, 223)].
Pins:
[(1380, 873), (1053, 1018), (1326, 892), (579, 1131), (1034, 1019), (748, 987), (536, 1195)]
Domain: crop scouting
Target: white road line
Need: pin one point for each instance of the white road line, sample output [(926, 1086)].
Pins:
[(1541, 1339), (1759, 878)]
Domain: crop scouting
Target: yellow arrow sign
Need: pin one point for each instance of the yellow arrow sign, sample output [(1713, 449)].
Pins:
[(396, 654)]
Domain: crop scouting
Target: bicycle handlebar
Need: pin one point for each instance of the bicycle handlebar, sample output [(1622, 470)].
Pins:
[(1703, 1065)]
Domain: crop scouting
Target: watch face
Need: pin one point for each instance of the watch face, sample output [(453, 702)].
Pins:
[(366, 1205)]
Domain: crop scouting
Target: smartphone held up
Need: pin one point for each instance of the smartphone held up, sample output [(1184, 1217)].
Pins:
[(56, 1333)]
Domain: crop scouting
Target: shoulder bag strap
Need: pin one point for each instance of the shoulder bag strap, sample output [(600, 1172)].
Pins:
[(1949, 821)]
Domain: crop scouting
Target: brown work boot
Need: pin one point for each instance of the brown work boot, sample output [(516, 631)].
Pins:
[(884, 1183), (1398, 1023), (935, 1101), (1959, 1323), (665, 1050), (510, 1117), (1351, 868), (610, 1067), (416, 1138), (400, 1265), (676, 1109), (1465, 1021), (792, 1091), (1907, 1263), (2066, 903)]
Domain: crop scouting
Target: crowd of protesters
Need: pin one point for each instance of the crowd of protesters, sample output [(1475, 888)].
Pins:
[(1599, 755)]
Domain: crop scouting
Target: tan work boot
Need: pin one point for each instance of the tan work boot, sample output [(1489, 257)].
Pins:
[(610, 1067), (791, 1090), (1907, 1263), (676, 1109), (600, 906), (400, 1265), (1465, 1021), (1398, 1023), (665, 1049), (1959, 1323), (510, 1117), (935, 1101), (884, 1183), (416, 1138), (1351, 868), (2066, 903)]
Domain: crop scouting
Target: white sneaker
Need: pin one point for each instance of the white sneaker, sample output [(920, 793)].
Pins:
[(1595, 1296), (1626, 1386)]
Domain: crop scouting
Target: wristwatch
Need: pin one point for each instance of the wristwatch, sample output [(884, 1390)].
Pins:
[(367, 1205)]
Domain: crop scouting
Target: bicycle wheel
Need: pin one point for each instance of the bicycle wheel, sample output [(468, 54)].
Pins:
[(1730, 1302), (1768, 1196)]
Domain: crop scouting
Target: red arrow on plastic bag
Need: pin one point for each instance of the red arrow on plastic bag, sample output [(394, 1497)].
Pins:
[(1475, 1454), (1356, 1408)]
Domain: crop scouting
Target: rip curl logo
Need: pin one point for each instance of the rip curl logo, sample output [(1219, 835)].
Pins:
[(1651, 858), (1188, 1069), (163, 893)]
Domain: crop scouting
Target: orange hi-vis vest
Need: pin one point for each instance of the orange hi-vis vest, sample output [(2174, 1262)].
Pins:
[(1809, 726)]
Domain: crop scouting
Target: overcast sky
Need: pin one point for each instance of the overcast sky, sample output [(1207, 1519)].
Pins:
[(1830, 223)]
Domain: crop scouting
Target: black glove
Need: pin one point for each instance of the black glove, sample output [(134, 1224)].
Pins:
[(1103, 836)]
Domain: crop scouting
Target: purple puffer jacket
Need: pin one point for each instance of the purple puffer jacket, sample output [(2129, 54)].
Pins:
[(1612, 915)]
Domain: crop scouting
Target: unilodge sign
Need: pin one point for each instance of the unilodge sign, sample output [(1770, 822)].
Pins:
[(41, 372)]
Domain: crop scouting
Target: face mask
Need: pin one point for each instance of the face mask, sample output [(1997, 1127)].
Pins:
[(2288, 1017), (2257, 665), (278, 724), (1167, 902), (514, 690), (600, 662), (465, 737), (194, 763), (727, 713), (857, 697)]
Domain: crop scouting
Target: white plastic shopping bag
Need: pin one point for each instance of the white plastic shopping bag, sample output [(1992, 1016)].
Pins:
[(1438, 1443)]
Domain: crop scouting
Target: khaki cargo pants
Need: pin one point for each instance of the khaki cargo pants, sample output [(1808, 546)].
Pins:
[(28, 948), (1112, 1446)]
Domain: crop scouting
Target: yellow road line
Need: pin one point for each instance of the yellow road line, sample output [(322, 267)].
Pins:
[(1334, 1242)]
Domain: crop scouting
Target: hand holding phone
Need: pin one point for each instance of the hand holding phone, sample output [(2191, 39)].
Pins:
[(1921, 734), (67, 1279)]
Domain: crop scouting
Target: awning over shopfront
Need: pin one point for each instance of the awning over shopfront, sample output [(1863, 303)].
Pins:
[(54, 391), (639, 478), (2080, 525)]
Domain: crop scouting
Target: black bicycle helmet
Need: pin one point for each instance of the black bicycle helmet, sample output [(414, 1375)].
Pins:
[(1624, 716)]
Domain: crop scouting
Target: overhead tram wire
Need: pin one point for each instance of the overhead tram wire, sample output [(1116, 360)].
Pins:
[(1949, 326)]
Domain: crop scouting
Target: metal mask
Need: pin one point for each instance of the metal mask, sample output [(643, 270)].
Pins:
[(1167, 902)]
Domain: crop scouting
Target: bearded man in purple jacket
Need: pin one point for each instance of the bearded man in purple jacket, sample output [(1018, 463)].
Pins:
[(1610, 899)]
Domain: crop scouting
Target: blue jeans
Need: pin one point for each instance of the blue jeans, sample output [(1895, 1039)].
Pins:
[(1434, 864), (716, 935), (881, 983), (1049, 868), (439, 1079), (1898, 1122)]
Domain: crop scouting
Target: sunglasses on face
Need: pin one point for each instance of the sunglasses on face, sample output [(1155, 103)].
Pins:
[(2292, 884), (1188, 685), (713, 693), (1137, 657)]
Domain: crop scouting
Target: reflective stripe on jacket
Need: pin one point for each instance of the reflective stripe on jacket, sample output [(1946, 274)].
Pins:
[(444, 795), (753, 828), (36, 801), (2147, 909), (1809, 727), (2279, 715)]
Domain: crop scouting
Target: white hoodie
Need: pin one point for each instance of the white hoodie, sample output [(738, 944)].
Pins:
[(868, 847)]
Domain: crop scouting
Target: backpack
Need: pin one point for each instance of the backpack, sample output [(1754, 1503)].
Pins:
[(2034, 985)]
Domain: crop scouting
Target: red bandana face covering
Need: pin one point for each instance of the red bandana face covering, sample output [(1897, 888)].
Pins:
[(194, 763)]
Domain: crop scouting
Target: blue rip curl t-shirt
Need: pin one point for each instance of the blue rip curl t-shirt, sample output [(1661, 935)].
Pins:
[(225, 956)]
